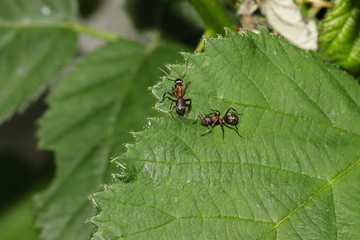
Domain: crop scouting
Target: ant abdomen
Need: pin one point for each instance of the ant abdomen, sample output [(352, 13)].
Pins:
[(231, 118)]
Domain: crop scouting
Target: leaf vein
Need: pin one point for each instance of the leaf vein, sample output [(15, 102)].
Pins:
[(312, 196), (229, 163), (282, 113), (296, 86)]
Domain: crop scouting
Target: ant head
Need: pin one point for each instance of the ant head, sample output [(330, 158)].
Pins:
[(206, 121), (231, 118), (180, 110), (178, 81)]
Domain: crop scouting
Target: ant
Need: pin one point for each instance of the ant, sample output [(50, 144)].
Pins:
[(178, 92), (213, 119)]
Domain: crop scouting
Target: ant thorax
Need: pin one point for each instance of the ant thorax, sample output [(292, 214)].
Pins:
[(221, 120), (214, 118)]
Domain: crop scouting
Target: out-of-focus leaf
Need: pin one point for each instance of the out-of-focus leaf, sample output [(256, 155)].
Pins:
[(33, 48), (174, 19), (213, 14), (294, 174), (285, 16), (17, 223), (91, 112), (339, 39)]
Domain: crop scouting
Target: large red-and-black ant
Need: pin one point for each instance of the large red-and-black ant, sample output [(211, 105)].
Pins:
[(213, 119), (178, 92)]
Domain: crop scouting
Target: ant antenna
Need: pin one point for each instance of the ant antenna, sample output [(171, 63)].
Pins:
[(233, 109), (184, 73), (171, 76), (200, 115), (168, 76)]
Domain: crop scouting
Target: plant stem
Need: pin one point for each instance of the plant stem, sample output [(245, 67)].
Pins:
[(200, 46)]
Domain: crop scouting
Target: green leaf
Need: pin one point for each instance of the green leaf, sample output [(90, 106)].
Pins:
[(33, 48), (17, 222), (91, 112), (339, 39), (294, 174)]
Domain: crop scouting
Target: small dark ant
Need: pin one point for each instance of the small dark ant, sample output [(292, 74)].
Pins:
[(213, 119), (178, 92)]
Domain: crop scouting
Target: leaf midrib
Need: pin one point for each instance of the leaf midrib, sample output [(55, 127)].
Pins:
[(60, 24), (219, 163), (20, 25), (176, 218), (276, 224), (328, 184)]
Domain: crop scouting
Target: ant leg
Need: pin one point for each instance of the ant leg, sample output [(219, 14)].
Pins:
[(185, 87), (167, 98), (235, 129), (211, 127), (163, 97), (207, 132), (216, 112), (172, 100), (211, 114), (198, 116), (170, 93), (188, 104), (184, 73), (171, 105), (222, 129), (231, 108)]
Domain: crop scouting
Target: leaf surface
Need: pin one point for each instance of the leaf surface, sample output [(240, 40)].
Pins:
[(294, 174), (33, 48), (91, 112), (339, 40)]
